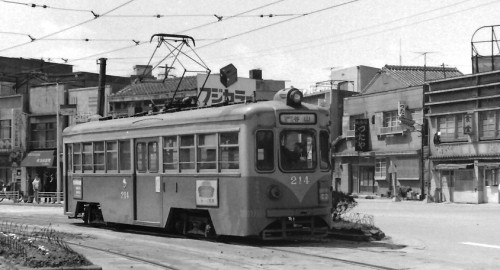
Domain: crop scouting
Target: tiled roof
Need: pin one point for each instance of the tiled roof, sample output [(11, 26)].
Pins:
[(414, 75), (157, 87)]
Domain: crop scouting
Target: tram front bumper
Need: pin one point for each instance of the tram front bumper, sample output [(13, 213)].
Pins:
[(302, 212)]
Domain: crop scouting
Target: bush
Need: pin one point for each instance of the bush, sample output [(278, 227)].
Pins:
[(403, 191), (341, 204)]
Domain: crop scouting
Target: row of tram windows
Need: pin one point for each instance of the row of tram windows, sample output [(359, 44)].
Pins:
[(299, 150), (215, 151)]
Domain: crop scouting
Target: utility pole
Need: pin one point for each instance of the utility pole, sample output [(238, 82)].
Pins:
[(425, 63)]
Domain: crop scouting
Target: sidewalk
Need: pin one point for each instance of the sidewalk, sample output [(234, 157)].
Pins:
[(42, 204)]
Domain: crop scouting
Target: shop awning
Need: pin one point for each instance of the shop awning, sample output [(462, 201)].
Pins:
[(39, 159), (489, 165), (454, 166)]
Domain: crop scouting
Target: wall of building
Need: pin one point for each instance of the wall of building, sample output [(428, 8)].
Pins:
[(360, 76), (86, 101), (401, 148), (45, 99), (466, 99)]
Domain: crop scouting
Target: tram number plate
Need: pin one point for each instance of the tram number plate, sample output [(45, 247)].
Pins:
[(124, 195), (299, 180)]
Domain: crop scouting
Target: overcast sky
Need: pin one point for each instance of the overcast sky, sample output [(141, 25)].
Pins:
[(294, 40)]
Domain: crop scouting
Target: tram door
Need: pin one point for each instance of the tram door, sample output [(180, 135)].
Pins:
[(148, 197)]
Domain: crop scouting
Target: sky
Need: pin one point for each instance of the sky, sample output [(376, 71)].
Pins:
[(293, 40)]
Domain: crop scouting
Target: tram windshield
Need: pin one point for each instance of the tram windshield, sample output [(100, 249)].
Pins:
[(298, 150)]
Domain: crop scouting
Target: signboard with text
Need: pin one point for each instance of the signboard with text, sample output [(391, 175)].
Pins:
[(362, 135)]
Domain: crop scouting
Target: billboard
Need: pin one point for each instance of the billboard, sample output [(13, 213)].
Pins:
[(215, 92)]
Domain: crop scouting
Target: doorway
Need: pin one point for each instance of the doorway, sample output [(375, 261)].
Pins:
[(367, 183)]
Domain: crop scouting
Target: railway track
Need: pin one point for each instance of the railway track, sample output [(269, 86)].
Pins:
[(126, 256), (281, 249)]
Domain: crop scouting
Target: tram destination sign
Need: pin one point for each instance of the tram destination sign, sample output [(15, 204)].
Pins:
[(298, 118)]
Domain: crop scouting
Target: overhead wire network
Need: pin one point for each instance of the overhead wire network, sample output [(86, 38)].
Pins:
[(245, 14), (67, 28), (309, 44), (118, 49)]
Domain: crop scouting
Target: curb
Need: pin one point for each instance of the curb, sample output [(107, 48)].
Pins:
[(9, 266)]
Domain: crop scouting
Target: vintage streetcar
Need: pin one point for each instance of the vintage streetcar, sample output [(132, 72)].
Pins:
[(252, 169)]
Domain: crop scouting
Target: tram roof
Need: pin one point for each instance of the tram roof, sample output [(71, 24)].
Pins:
[(193, 116)]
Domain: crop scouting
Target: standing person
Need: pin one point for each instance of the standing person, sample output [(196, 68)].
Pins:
[(36, 187), (52, 187)]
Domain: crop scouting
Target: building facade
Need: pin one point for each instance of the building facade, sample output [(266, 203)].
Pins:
[(393, 137), (464, 122)]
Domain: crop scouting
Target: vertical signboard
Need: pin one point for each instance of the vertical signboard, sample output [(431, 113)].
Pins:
[(468, 123), (361, 135)]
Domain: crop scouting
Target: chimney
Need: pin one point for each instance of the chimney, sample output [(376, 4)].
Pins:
[(256, 74), (102, 86)]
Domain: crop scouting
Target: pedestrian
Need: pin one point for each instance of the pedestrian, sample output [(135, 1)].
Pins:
[(52, 187), (36, 187)]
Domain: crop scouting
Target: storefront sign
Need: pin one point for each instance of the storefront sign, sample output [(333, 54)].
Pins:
[(361, 135)]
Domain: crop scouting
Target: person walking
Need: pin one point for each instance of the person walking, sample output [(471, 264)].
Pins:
[(36, 188)]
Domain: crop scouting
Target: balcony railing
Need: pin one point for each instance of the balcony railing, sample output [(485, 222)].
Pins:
[(390, 130), (42, 144), (5, 145)]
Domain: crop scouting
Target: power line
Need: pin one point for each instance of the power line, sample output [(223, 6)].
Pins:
[(45, 6), (283, 21), (141, 15), (361, 29), (230, 17), (65, 29)]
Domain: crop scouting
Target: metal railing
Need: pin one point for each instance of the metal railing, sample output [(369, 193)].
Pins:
[(390, 130)]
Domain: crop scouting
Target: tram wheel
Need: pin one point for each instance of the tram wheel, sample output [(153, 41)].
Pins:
[(86, 214)]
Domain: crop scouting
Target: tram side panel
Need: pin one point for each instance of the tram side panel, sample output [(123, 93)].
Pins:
[(149, 198), (114, 194)]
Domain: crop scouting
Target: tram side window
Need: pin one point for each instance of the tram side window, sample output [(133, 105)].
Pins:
[(187, 153), (99, 156), (265, 150), (170, 153), (229, 150), (153, 157), (141, 157), (324, 149), (207, 151), (111, 156), (77, 157), (87, 157), (125, 155)]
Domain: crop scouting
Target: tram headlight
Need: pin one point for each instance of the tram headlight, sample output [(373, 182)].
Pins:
[(274, 192), (294, 97), (323, 192)]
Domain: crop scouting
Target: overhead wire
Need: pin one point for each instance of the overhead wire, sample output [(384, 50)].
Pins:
[(67, 28), (271, 50), (280, 22), (230, 17)]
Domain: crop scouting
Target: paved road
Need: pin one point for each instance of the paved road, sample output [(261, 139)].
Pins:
[(422, 236), (462, 236)]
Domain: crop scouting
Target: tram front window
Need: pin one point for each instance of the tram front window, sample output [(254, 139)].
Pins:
[(298, 150)]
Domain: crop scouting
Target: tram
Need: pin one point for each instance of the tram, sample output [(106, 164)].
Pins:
[(253, 169)]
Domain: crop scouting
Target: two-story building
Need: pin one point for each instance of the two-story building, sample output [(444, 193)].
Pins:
[(392, 107), (464, 125)]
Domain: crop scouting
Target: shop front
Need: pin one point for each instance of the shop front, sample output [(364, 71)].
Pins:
[(41, 163), (466, 182)]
